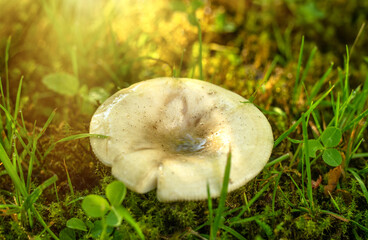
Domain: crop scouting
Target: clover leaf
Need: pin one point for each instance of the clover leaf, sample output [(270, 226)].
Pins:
[(331, 137), (326, 143)]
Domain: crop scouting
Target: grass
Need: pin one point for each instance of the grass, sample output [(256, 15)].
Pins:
[(24, 196), (306, 81)]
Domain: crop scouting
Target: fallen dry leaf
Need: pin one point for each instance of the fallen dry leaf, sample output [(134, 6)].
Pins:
[(333, 178)]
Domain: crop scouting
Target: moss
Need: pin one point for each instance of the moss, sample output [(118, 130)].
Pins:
[(10, 229), (166, 219), (310, 228)]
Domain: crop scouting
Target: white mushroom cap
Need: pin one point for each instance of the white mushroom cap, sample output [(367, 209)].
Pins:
[(174, 134)]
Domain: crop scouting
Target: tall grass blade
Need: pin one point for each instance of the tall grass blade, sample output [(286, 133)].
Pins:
[(245, 220), (357, 37), (307, 163), (9, 167), (70, 138), (275, 192), (319, 84), (356, 120), (46, 125), (221, 206), (127, 217), (361, 183), (346, 83), (250, 203), (309, 111), (265, 78), (277, 160), (344, 219), (32, 198), (79, 136), (40, 219), (7, 74), (17, 101), (34, 148), (296, 86), (307, 65), (210, 209), (69, 180), (233, 232)]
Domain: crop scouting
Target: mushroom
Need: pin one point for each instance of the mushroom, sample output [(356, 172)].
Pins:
[(174, 134)]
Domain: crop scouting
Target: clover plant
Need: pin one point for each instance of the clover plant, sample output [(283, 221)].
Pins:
[(327, 143), (109, 212)]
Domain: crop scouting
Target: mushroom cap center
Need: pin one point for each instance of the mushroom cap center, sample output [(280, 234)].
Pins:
[(189, 144)]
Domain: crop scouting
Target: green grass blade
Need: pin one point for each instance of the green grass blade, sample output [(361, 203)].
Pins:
[(70, 138), (127, 217), (287, 199), (2, 93), (344, 219), (266, 228), (337, 109), (265, 78), (287, 132), (233, 232), (346, 83), (32, 198), (2, 140), (221, 206), (5, 206), (69, 179), (79, 136), (350, 154), (245, 220), (17, 101), (316, 121), (31, 162), (342, 109), (9, 127), (304, 200), (40, 219), (359, 225), (9, 167), (17, 162), (210, 209), (307, 65), (319, 84), (361, 183), (334, 202), (177, 73), (47, 123), (7, 73), (296, 86), (275, 192), (250, 203), (364, 96), (309, 111), (360, 155), (356, 120), (277, 160), (307, 163)]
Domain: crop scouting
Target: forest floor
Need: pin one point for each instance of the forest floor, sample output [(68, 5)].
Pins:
[(302, 63)]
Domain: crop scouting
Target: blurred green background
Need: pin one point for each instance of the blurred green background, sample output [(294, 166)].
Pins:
[(107, 45)]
